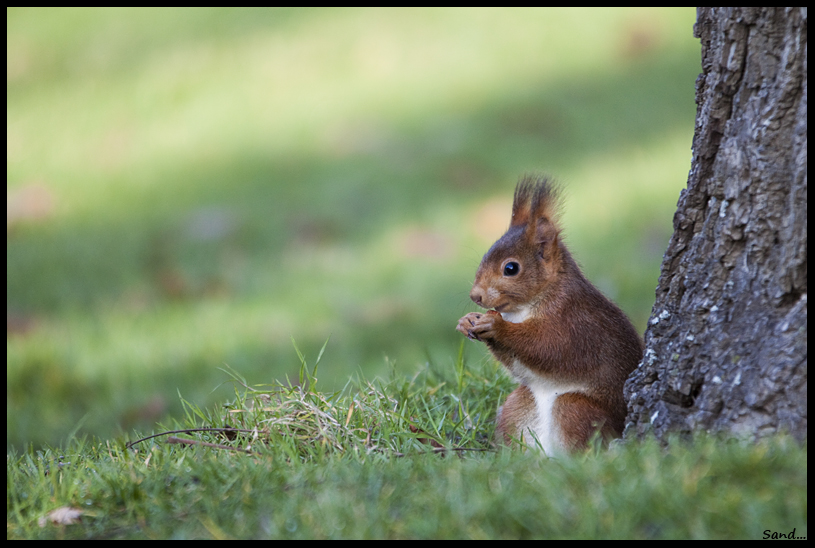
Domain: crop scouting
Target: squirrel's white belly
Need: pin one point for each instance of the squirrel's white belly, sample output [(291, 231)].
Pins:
[(543, 426)]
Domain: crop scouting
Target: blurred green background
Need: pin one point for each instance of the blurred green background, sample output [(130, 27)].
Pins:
[(189, 188)]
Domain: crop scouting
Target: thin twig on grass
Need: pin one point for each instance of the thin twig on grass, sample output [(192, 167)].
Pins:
[(130, 445)]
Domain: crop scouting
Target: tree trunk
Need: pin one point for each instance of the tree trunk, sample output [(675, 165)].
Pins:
[(726, 345)]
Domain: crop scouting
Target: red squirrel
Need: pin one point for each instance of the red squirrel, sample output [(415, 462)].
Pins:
[(570, 348)]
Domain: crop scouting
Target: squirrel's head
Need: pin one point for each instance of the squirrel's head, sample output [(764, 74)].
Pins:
[(525, 264)]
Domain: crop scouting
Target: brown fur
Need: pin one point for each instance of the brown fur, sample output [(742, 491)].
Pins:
[(516, 415), (573, 333)]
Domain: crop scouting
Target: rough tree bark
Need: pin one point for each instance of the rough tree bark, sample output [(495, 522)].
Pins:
[(726, 345)]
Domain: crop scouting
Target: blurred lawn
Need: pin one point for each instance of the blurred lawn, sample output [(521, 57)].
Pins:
[(193, 187)]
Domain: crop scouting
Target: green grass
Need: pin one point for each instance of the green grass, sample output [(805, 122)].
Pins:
[(349, 465)]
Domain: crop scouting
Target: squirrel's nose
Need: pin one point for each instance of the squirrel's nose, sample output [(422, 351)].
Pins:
[(477, 295)]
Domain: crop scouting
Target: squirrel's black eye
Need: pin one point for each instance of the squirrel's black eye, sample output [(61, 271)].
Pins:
[(511, 268)]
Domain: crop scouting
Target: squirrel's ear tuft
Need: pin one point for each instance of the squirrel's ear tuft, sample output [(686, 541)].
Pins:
[(545, 200), (522, 204), (536, 197)]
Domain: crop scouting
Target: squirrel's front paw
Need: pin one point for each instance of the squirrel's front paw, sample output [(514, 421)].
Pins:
[(466, 325), (478, 326)]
